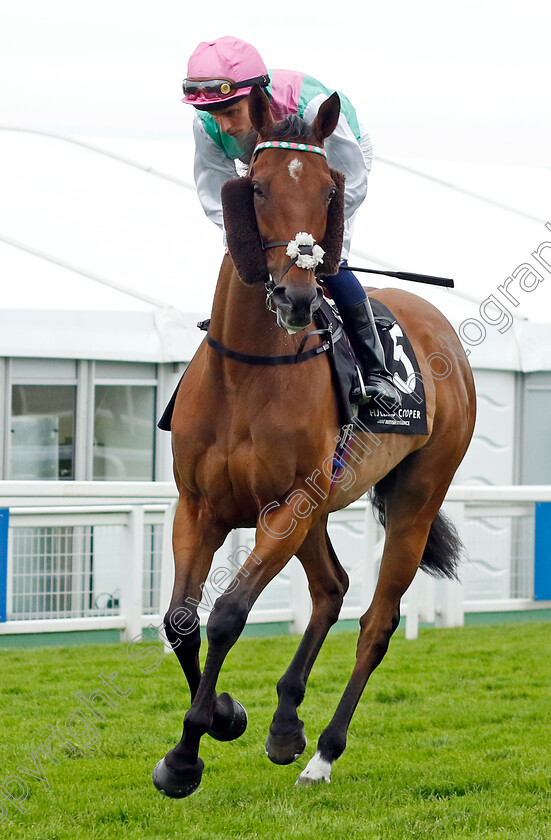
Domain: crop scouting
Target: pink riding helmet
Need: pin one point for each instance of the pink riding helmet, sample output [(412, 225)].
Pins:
[(226, 59)]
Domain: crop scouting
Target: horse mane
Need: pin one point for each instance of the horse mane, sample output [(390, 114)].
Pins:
[(291, 127)]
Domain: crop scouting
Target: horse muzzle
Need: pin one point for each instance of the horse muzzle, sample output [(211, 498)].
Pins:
[(295, 300), (295, 305)]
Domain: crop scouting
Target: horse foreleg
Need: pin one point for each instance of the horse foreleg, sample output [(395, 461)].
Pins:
[(404, 546), (179, 774), (328, 583), (194, 541)]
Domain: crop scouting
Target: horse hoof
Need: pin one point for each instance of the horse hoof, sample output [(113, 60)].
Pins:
[(317, 770), (305, 781), (177, 786), (231, 722), (284, 749)]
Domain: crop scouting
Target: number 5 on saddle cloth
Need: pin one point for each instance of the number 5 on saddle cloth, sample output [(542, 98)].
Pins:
[(411, 417)]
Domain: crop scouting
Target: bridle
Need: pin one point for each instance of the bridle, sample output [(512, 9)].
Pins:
[(270, 284), (300, 249)]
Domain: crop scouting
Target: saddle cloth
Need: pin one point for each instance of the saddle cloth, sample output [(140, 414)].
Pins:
[(409, 419), (401, 362)]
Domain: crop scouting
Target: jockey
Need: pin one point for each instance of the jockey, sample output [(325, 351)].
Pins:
[(220, 76)]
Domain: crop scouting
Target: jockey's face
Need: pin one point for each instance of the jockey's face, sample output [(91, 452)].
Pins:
[(234, 120)]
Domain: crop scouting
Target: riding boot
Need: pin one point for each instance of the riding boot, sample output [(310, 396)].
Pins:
[(360, 327)]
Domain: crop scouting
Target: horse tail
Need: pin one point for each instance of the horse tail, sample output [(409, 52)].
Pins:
[(444, 549)]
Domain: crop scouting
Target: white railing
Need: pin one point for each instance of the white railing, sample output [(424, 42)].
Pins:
[(77, 555), (97, 555)]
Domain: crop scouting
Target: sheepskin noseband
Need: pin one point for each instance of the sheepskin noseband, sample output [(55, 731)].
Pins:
[(243, 237)]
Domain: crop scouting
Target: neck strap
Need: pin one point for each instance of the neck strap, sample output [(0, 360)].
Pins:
[(327, 346)]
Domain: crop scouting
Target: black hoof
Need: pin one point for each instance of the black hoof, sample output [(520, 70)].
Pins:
[(284, 749), (177, 786), (230, 719)]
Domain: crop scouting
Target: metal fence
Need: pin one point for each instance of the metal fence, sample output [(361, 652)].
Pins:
[(85, 555)]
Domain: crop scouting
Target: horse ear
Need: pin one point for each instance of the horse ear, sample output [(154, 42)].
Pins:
[(334, 231), (259, 111), (243, 238), (327, 118)]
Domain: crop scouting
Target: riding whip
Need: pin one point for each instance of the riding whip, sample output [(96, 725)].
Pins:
[(407, 275)]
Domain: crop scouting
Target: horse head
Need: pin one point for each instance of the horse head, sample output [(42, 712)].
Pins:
[(284, 221)]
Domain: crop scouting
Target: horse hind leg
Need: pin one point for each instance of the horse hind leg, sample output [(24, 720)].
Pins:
[(328, 584), (410, 514)]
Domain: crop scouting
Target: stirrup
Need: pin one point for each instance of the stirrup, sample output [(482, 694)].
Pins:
[(380, 390)]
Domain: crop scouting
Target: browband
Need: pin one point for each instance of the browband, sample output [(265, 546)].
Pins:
[(285, 144)]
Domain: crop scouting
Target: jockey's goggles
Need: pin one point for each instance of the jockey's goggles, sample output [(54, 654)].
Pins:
[(219, 88)]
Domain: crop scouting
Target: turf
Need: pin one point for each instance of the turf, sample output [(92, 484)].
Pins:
[(451, 740)]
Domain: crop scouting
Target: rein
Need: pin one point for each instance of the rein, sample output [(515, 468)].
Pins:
[(273, 361)]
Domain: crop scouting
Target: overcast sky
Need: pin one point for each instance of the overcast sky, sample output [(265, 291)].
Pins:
[(431, 79), (459, 90)]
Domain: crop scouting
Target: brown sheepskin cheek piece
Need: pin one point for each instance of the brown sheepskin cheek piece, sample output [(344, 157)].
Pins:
[(242, 233), (332, 240)]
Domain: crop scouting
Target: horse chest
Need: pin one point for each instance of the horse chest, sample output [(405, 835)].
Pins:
[(239, 475), (248, 442)]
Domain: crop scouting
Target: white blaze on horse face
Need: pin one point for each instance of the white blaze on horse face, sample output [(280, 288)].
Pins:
[(295, 169)]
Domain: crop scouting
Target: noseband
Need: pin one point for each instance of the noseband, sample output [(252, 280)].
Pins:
[(303, 252)]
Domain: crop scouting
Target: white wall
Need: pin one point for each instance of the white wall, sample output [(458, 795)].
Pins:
[(491, 456)]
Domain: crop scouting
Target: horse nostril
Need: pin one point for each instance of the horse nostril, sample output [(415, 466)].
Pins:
[(291, 296), (318, 299), (280, 297), (297, 303)]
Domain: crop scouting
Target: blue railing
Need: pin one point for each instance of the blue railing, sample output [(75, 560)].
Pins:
[(4, 521)]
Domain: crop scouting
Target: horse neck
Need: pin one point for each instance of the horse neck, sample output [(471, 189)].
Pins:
[(241, 321)]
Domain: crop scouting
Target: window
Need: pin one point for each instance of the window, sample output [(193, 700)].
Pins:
[(124, 424), (42, 432), (79, 420), (536, 460)]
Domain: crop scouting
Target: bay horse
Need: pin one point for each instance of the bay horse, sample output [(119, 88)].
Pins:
[(251, 443)]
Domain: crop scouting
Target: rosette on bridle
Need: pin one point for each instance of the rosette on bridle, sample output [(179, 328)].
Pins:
[(304, 252)]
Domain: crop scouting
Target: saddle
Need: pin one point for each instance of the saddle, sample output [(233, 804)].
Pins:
[(409, 419)]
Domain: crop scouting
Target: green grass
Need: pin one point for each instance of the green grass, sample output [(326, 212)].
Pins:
[(451, 740)]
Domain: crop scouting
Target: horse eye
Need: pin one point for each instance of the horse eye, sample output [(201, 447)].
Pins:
[(332, 194), (257, 190)]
